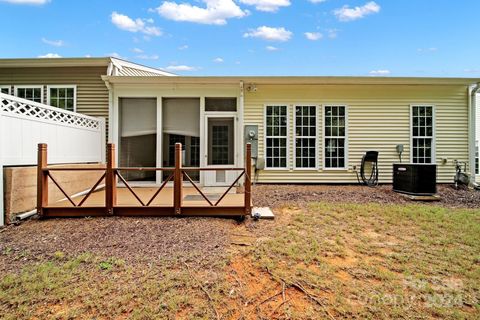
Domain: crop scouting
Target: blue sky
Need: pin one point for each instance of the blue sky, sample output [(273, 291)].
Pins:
[(254, 37)]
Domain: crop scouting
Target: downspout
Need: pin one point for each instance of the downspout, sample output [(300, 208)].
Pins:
[(472, 101), (241, 114), (110, 110)]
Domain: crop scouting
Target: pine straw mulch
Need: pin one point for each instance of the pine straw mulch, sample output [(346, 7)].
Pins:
[(158, 240)]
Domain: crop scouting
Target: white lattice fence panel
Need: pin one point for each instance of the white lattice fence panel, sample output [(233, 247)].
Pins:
[(71, 137), (13, 105)]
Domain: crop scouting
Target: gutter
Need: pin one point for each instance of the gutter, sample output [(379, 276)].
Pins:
[(472, 106)]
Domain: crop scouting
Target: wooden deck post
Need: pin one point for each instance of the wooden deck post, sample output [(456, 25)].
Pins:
[(178, 179), (42, 178), (248, 181), (110, 181)]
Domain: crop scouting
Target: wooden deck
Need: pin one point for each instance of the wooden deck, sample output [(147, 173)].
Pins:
[(156, 201)]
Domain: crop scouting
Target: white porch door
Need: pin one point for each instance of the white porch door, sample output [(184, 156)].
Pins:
[(220, 149)]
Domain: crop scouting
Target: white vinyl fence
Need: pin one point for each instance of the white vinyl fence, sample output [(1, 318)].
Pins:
[(71, 137)]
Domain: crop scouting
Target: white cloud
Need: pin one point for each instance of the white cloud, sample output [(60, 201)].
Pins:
[(184, 47), (271, 48), (317, 1), (55, 43), (148, 57), (137, 50), (35, 2), (138, 25), (349, 14), (332, 33), (50, 55), (181, 68), (379, 72), (215, 12), (314, 36), (115, 55), (218, 60), (269, 33), (267, 5), (427, 49), (471, 70)]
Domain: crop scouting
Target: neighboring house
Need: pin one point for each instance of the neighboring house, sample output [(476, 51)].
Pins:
[(73, 84), (304, 129)]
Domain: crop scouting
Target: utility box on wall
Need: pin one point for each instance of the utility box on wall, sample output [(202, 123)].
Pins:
[(251, 136)]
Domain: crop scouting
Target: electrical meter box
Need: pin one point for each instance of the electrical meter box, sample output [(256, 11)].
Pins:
[(251, 136)]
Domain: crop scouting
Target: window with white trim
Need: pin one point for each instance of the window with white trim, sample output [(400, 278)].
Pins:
[(335, 129), (477, 169), (63, 97), (33, 93), (5, 89), (305, 137), (276, 126), (422, 134)]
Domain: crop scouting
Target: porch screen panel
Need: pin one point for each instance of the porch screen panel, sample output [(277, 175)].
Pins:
[(305, 136), (422, 134), (276, 136), (138, 117), (335, 136), (181, 116), (138, 137)]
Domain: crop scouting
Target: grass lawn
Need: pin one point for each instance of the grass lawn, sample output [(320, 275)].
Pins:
[(316, 260)]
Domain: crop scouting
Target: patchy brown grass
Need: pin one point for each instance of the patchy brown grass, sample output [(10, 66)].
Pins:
[(316, 260)]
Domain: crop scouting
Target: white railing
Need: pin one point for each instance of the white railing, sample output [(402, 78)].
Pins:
[(72, 137)]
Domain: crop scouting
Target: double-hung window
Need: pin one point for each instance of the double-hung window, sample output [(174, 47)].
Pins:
[(335, 137), (477, 169), (5, 89), (305, 137), (276, 125), (422, 134), (33, 93), (63, 97)]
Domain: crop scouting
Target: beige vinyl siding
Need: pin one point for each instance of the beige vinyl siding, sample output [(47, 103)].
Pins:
[(378, 119), (92, 94)]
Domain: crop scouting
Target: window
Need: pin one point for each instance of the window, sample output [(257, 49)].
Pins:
[(33, 93), (335, 131), (5, 89), (276, 136), (305, 136), (221, 104), (422, 134), (63, 97), (477, 169), (220, 145)]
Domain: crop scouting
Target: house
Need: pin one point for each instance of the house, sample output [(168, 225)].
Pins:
[(303, 129), (73, 84)]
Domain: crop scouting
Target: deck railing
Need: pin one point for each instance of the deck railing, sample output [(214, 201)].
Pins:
[(111, 174)]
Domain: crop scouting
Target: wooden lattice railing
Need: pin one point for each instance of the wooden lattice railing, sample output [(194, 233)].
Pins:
[(111, 173)]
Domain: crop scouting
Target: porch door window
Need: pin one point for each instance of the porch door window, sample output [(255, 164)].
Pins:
[(335, 136), (422, 134), (220, 141), (276, 136)]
